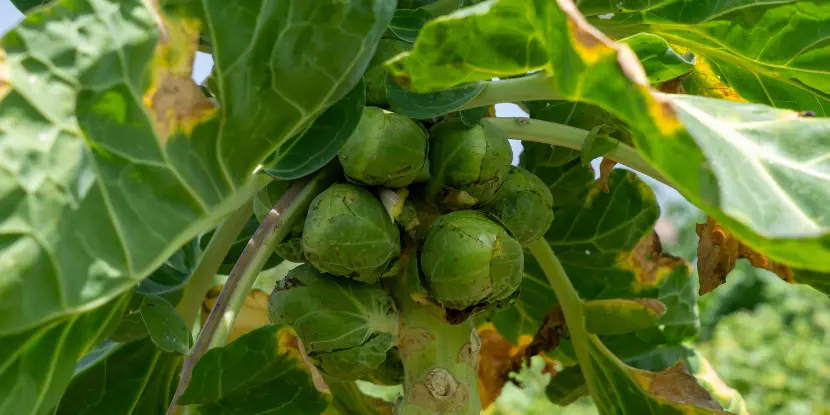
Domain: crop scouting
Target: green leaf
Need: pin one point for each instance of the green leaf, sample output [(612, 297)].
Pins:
[(252, 375), (122, 379), (620, 316), (25, 5), (433, 104), (315, 147), (168, 282), (660, 61), (406, 23), (166, 327), (757, 155), (773, 53), (472, 116), (626, 387), (606, 243), (597, 144), (36, 364), (103, 180), (515, 36)]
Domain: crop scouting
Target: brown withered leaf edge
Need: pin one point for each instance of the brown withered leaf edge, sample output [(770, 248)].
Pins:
[(718, 252)]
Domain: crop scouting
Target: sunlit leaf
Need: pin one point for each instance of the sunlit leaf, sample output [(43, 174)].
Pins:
[(769, 52), (113, 158), (659, 60), (689, 140), (36, 364), (252, 375)]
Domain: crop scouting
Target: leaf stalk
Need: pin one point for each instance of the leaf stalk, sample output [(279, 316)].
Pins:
[(535, 87), (572, 306), (273, 229), (546, 132), (199, 282)]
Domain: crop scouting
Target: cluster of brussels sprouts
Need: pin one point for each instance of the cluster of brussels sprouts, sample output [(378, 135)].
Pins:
[(478, 213)]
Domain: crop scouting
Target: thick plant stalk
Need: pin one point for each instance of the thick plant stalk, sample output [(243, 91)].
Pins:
[(214, 254), (440, 360), (547, 132), (277, 223)]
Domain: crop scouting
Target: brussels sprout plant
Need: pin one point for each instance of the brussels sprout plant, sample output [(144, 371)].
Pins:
[(343, 180)]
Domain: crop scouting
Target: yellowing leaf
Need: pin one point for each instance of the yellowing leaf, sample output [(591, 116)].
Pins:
[(252, 315), (497, 358)]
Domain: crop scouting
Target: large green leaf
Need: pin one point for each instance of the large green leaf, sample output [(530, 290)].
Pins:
[(515, 36), (770, 52), (659, 60), (315, 147), (35, 365), (606, 245), (122, 379), (251, 376), (112, 158)]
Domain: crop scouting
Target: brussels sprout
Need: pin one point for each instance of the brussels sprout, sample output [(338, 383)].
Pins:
[(346, 327), (523, 204), (375, 75), (469, 260), (467, 164), (348, 232), (386, 149), (291, 247)]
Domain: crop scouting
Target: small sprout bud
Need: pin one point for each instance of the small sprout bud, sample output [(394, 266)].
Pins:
[(523, 204), (469, 260), (349, 233), (386, 149), (467, 164), (346, 327)]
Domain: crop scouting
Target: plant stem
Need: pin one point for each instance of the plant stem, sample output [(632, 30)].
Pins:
[(276, 224), (546, 132), (221, 242), (440, 360), (440, 7), (572, 306), (527, 88)]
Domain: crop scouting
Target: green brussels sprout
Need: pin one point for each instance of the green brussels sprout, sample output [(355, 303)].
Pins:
[(469, 260), (375, 75), (523, 204), (467, 164), (386, 149), (348, 232), (346, 327), (291, 247)]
